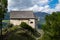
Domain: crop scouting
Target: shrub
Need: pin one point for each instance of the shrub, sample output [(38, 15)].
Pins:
[(29, 28), (26, 26), (9, 25)]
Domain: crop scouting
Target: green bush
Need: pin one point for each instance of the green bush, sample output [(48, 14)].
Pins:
[(26, 26), (20, 36), (29, 28), (9, 25), (21, 32)]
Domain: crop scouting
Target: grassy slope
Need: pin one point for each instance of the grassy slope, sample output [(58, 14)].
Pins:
[(6, 21)]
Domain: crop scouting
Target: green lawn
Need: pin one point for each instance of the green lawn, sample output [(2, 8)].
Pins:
[(6, 21)]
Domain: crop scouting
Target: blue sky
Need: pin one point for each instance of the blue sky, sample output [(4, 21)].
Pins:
[(48, 6), (53, 3)]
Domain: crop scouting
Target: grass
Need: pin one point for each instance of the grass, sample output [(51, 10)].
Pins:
[(6, 21)]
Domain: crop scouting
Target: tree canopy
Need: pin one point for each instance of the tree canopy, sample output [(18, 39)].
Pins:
[(52, 27), (3, 9), (20, 32)]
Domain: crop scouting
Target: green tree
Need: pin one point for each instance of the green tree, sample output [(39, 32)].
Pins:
[(29, 28), (21, 32), (52, 27), (3, 9)]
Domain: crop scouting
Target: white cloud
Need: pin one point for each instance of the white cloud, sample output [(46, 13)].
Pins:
[(22, 4), (57, 8), (34, 5), (59, 1), (37, 8), (41, 2)]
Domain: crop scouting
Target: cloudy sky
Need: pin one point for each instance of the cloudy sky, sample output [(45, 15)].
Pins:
[(34, 5)]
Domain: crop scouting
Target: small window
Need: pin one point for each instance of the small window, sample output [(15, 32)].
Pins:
[(31, 22)]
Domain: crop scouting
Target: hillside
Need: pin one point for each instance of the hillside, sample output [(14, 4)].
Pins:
[(41, 16)]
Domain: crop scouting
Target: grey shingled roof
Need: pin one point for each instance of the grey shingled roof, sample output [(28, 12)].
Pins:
[(22, 14)]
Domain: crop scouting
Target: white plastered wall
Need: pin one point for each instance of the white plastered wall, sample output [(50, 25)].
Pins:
[(18, 22)]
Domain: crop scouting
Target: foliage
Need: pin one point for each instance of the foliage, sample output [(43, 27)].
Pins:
[(9, 25), (26, 26), (20, 35), (3, 9), (21, 32), (29, 28), (52, 27)]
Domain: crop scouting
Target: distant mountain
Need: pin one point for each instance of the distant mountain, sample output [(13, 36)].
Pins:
[(41, 16)]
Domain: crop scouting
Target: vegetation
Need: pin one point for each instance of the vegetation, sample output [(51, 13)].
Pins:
[(3, 9), (52, 27), (21, 32)]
